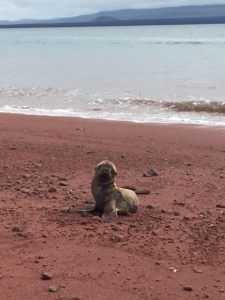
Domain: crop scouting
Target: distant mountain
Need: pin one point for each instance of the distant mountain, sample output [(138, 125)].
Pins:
[(167, 15)]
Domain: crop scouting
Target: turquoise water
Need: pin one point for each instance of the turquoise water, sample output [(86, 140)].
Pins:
[(172, 74)]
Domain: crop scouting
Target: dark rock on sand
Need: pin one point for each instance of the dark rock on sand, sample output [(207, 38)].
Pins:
[(188, 288), (63, 183), (52, 190), (142, 191), (84, 214), (17, 229), (150, 173), (46, 276), (220, 205)]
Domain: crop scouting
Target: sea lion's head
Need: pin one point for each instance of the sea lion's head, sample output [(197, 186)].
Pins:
[(105, 171)]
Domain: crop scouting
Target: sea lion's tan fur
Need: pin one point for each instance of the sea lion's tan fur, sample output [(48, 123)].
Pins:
[(111, 200)]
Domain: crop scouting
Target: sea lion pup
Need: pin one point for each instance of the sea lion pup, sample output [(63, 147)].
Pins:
[(111, 200)]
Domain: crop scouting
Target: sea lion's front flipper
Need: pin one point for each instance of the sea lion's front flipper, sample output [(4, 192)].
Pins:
[(110, 211)]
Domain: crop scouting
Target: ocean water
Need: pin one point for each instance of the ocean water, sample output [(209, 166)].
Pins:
[(165, 74)]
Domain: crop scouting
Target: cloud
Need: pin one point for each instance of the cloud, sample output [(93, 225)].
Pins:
[(42, 9)]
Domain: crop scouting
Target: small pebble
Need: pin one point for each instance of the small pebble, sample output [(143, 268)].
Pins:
[(25, 191), (150, 173), (26, 176), (188, 288), (52, 190), (17, 229), (84, 214), (63, 183), (116, 228), (118, 238), (142, 191), (46, 276), (196, 270), (149, 206), (221, 205), (38, 165), (12, 148), (53, 289)]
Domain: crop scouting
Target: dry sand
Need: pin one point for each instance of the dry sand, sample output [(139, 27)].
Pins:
[(172, 248)]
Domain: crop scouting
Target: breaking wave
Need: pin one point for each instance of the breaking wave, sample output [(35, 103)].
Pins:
[(193, 106), (75, 103), (215, 107)]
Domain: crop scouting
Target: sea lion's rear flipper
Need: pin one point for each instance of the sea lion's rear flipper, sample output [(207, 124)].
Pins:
[(88, 209)]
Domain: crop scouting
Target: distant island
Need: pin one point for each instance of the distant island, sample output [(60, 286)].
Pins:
[(203, 14)]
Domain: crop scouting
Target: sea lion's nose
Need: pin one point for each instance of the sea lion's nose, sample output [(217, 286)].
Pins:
[(105, 170)]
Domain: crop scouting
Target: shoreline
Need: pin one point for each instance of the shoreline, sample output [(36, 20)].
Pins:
[(198, 125), (172, 248)]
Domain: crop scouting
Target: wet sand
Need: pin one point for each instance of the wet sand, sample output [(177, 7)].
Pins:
[(172, 248)]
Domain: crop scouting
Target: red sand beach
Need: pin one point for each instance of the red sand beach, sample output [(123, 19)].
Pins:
[(172, 248)]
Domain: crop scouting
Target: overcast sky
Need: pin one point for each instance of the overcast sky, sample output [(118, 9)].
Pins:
[(42, 9)]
